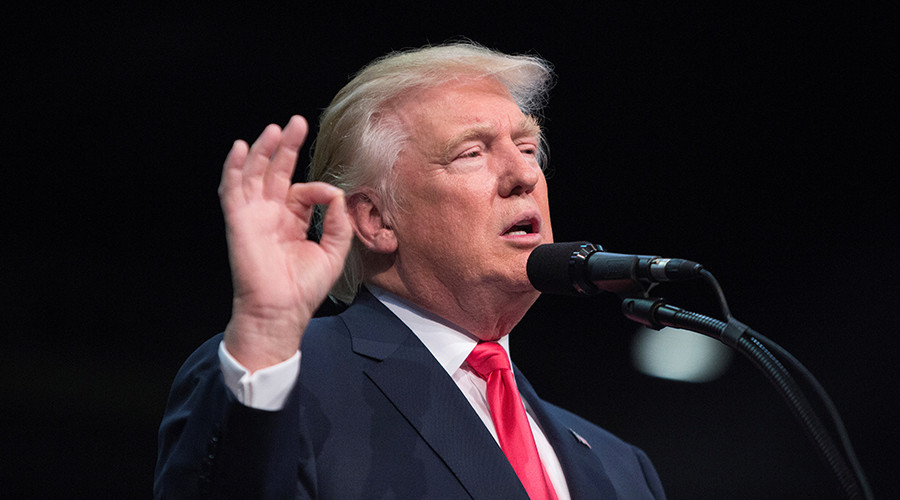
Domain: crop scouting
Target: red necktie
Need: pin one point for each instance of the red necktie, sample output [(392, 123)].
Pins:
[(491, 363)]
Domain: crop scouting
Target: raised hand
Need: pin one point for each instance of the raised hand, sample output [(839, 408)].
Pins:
[(280, 277)]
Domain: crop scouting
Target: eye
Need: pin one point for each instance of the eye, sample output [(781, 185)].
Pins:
[(470, 153), (528, 149)]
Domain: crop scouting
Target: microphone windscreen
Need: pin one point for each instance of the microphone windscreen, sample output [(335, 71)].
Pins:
[(548, 267)]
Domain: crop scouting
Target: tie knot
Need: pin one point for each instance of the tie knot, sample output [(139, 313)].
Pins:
[(488, 357)]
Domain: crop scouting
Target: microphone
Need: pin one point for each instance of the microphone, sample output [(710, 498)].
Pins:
[(582, 268)]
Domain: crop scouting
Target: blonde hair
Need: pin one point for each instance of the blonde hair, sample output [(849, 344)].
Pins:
[(358, 143)]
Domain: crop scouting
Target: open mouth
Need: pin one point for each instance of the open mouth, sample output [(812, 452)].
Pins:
[(521, 228)]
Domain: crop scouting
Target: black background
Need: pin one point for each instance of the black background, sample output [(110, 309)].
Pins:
[(753, 139)]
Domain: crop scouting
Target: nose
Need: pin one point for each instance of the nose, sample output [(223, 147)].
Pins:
[(519, 172)]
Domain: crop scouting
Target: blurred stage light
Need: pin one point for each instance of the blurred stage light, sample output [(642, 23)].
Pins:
[(676, 354)]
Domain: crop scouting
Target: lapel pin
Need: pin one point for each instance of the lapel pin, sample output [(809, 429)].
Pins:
[(580, 439)]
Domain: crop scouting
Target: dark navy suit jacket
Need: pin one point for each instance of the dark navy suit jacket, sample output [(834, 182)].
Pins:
[(373, 415)]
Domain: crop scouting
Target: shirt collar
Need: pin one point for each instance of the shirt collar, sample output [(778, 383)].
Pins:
[(449, 343)]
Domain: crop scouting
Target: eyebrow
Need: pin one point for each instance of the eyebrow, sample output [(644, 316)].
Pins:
[(527, 126)]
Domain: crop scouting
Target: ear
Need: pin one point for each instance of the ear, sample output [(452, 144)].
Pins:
[(371, 222)]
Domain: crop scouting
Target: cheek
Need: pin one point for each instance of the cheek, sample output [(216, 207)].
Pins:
[(466, 197), (544, 207), (454, 208)]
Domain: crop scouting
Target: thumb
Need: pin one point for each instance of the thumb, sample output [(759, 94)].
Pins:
[(337, 232)]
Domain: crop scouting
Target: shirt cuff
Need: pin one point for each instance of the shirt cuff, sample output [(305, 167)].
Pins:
[(265, 389)]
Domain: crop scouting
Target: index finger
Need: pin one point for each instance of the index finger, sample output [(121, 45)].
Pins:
[(303, 196)]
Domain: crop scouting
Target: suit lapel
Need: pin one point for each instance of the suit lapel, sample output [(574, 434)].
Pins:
[(420, 389), (585, 474)]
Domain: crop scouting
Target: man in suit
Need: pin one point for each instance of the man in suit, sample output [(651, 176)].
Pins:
[(432, 168)]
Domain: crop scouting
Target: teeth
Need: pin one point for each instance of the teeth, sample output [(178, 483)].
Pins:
[(520, 229)]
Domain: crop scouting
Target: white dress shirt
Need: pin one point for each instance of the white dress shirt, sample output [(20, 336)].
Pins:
[(268, 388)]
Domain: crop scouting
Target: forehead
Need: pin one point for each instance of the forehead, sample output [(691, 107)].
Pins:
[(448, 109)]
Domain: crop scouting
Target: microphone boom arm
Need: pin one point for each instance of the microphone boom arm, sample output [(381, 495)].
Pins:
[(581, 268), (655, 313)]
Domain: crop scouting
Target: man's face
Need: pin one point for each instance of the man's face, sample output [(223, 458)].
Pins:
[(472, 196)]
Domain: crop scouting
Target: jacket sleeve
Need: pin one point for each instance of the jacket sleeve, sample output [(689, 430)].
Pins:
[(212, 446)]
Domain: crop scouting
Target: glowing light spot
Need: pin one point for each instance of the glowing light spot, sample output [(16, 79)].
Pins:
[(679, 355)]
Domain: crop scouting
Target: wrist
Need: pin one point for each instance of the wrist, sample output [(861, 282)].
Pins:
[(258, 343)]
